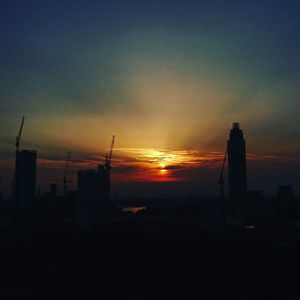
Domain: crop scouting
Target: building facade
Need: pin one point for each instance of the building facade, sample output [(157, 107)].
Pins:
[(93, 198)]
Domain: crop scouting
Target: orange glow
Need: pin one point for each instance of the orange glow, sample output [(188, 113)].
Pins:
[(163, 171), (142, 165), (156, 164)]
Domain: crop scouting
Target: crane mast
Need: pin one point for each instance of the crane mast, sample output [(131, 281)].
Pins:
[(109, 156), (18, 138), (108, 162), (221, 180), (66, 173), (17, 144)]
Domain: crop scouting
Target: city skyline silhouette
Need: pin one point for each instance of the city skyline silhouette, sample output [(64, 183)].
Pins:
[(149, 150), (156, 169), (167, 78)]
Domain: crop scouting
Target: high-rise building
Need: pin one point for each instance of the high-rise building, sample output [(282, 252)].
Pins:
[(93, 196), (237, 171), (25, 180)]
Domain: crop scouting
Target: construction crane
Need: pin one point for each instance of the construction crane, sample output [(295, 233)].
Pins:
[(65, 181), (17, 144), (221, 180), (108, 161), (18, 138)]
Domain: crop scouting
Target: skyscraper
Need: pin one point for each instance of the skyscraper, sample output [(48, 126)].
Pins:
[(25, 180), (237, 171)]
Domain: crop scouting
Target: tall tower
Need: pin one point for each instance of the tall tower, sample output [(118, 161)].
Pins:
[(237, 171)]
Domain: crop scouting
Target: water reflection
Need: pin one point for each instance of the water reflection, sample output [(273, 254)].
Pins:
[(133, 209)]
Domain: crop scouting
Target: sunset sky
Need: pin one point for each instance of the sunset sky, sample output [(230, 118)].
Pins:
[(166, 77)]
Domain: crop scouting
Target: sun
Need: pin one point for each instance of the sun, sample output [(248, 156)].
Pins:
[(163, 171), (160, 164)]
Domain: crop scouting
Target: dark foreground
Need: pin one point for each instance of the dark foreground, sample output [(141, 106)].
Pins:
[(127, 261)]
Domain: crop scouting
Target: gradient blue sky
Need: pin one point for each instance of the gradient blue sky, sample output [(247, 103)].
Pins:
[(169, 75)]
